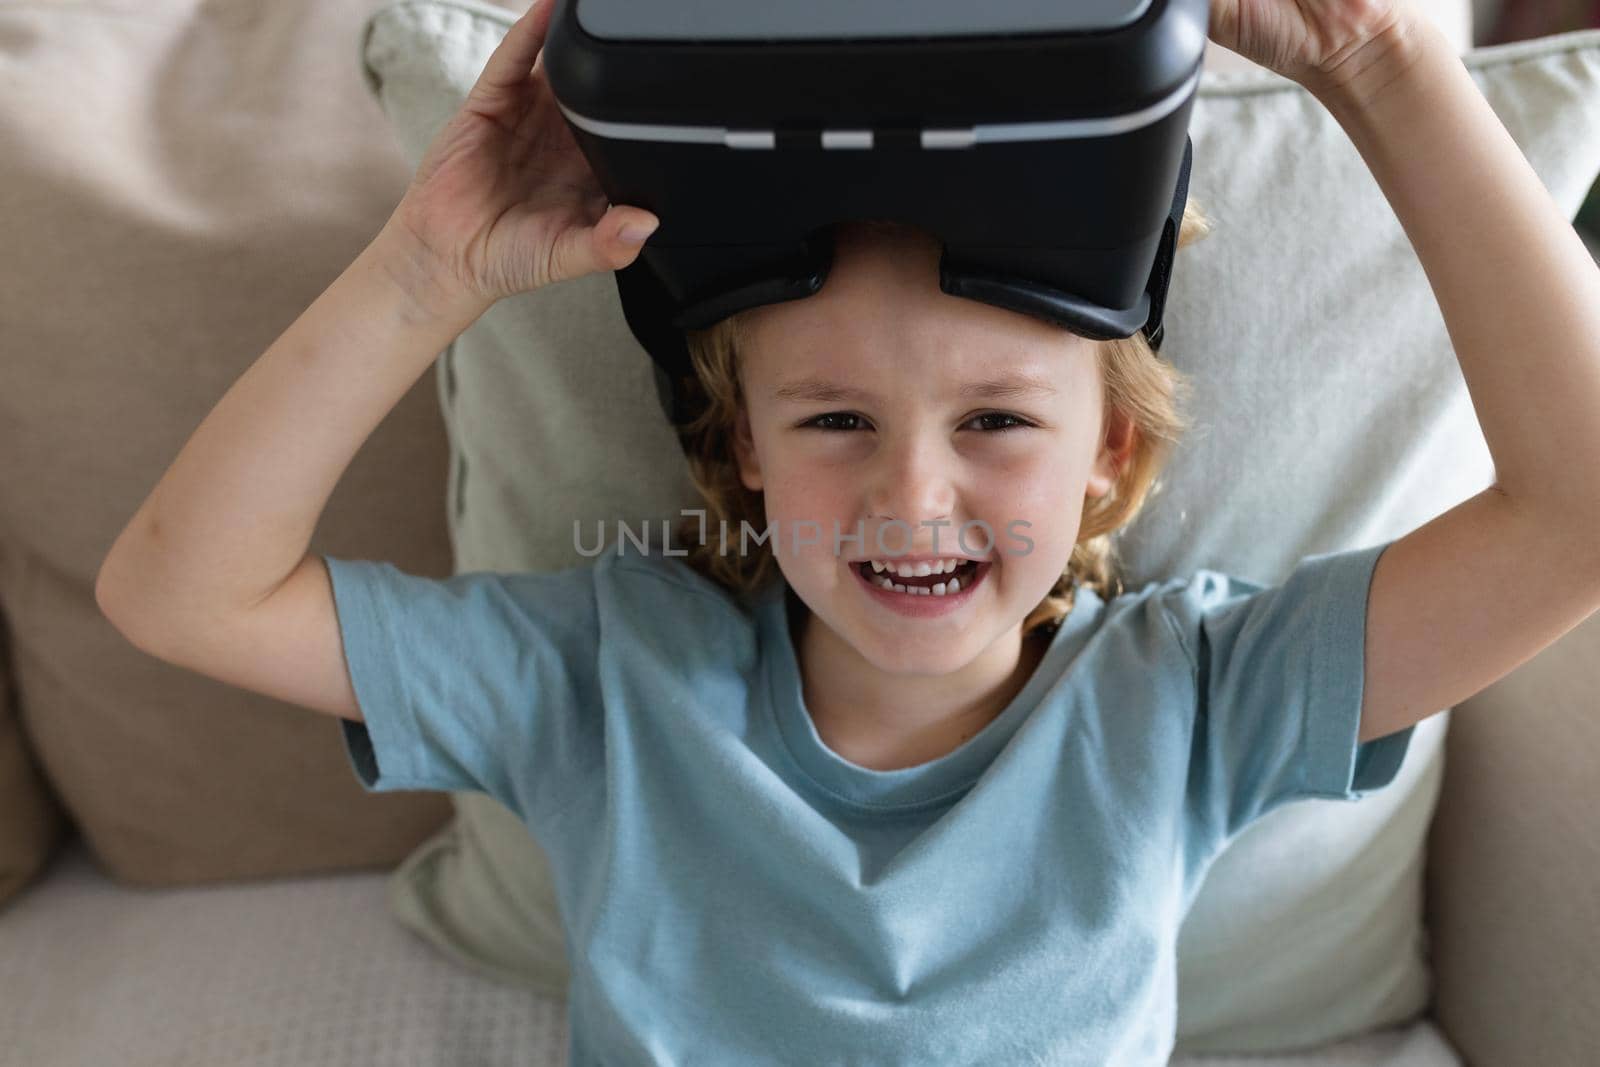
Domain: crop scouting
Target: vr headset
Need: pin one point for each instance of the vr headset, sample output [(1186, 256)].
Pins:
[(1045, 143)]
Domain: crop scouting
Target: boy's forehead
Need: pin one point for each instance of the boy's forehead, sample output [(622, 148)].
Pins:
[(881, 316), (870, 295), (978, 366), (943, 349), (994, 384), (870, 275)]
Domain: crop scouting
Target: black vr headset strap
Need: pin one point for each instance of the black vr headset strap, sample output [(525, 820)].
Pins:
[(649, 311), (1161, 275)]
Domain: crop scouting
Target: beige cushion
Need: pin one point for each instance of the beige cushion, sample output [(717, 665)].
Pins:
[(32, 823), (180, 180), (1332, 414)]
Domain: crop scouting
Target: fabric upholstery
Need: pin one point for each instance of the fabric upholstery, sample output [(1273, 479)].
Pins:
[(178, 181), (32, 823)]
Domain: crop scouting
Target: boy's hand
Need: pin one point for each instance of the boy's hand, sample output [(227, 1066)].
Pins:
[(503, 201), (1322, 44)]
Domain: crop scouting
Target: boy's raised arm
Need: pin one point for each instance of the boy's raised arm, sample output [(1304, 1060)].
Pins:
[(213, 570), (233, 516), (1463, 600)]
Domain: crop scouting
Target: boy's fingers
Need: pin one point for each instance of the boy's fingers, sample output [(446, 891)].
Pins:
[(589, 250), (513, 57)]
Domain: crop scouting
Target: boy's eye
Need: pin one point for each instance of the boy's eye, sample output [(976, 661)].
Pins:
[(833, 418), (1016, 421), (989, 419)]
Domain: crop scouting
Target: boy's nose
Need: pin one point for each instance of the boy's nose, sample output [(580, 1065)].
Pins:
[(913, 481)]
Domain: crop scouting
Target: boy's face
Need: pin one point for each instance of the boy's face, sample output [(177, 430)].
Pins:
[(908, 445)]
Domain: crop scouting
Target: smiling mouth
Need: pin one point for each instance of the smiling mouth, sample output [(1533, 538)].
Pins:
[(930, 585)]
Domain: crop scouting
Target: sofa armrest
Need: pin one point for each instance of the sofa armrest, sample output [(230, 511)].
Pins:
[(1513, 877)]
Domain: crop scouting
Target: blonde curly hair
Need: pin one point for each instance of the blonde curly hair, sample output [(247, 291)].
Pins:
[(1138, 383)]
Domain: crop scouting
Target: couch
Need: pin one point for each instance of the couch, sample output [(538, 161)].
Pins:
[(206, 884)]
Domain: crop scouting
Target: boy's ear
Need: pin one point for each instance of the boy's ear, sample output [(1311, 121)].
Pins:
[(1115, 451), (744, 450)]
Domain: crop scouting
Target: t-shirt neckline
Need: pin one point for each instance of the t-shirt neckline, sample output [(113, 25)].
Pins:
[(926, 783)]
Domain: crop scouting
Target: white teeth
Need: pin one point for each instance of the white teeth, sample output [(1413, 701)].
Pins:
[(950, 588), (916, 570)]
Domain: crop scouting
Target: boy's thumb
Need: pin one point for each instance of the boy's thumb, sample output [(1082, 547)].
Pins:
[(637, 228), (612, 243)]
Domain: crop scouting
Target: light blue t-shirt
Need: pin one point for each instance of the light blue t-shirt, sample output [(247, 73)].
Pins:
[(734, 892)]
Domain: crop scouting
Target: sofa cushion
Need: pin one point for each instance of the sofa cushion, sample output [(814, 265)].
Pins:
[(1331, 414), (1513, 863), (32, 823), (181, 180)]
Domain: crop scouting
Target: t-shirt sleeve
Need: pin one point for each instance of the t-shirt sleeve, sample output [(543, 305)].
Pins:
[(1279, 674), (479, 682)]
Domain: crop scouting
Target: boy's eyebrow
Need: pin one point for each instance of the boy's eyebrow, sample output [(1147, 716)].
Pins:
[(1006, 387)]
